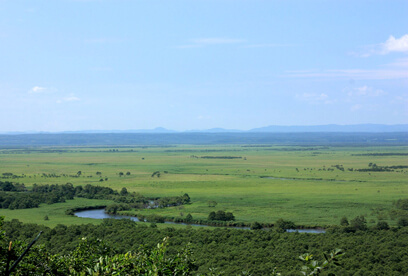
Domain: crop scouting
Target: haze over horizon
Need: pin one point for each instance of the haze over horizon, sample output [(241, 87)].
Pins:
[(182, 65)]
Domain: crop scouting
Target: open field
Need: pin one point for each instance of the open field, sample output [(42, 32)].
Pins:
[(310, 185)]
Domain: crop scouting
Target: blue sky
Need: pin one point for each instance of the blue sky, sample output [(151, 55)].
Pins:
[(199, 64)]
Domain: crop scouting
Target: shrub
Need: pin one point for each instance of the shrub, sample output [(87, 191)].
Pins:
[(359, 223), (221, 215), (283, 225), (256, 226), (344, 221)]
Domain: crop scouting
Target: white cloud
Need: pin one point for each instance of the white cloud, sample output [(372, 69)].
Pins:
[(396, 44), (42, 90), (37, 89), (391, 45), (314, 98), (365, 91), (70, 98)]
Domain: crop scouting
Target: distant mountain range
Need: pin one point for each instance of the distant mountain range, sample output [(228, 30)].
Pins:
[(374, 128)]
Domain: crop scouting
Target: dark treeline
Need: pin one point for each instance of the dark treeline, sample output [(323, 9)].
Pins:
[(55, 193), (143, 203), (15, 196), (369, 252), (221, 157), (7, 186), (221, 215), (372, 167), (173, 201)]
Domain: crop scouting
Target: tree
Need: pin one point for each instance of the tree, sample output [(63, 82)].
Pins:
[(98, 173), (211, 216), (156, 173), (359, 223), (344, 221), (283, 225), (189, 218), (185, 199), (402, 204), (221, 215), (229, 216), (120, 173), (402, 222), (127, 173), (123, 192), (256, 226), (382, 225)]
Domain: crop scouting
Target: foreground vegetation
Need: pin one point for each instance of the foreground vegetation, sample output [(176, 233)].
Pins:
[(91, 249), (91, 257)]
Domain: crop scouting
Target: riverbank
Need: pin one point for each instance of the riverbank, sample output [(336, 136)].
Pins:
[(101, 214)]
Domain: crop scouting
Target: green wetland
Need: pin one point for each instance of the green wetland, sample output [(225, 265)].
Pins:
[(257, 185), (312, 186)]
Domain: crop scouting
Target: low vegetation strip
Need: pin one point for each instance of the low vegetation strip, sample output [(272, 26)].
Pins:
[(382, 154), (221, 157)]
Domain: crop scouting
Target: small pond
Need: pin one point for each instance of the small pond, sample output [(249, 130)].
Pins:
[(100, 214)]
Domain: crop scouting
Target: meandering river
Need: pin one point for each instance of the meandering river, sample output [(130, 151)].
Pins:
[(100, 214)]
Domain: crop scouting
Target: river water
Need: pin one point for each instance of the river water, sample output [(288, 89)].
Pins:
[(100, 214)]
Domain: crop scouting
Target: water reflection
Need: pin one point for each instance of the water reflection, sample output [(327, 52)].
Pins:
[(100, 214)]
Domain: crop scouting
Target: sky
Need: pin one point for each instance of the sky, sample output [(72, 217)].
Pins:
[(201, 64)]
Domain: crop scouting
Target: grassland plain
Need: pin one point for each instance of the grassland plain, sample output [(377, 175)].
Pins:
[(310, 185)]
